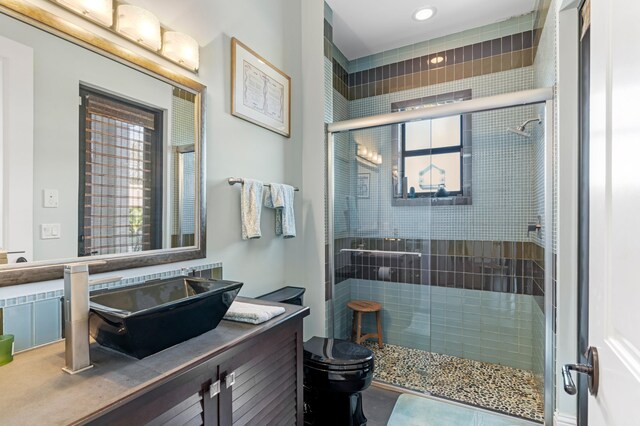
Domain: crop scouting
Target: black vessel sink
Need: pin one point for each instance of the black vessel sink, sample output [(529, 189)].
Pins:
[(143, 319)]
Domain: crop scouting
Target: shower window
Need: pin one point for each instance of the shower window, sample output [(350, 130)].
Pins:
[(432, 158)]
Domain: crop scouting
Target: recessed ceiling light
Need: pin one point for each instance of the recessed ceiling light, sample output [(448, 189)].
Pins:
[(437, 60), (424, 13)]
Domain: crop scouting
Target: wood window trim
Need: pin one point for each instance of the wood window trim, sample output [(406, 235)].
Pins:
[(155, 220)]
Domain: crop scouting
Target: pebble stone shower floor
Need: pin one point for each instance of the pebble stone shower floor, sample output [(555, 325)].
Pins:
[(496, 387)]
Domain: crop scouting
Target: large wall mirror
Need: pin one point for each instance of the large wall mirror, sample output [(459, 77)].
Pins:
[(101, 156)]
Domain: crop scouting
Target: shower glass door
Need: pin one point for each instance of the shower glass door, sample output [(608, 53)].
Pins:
[(442, 222), (381, 249)]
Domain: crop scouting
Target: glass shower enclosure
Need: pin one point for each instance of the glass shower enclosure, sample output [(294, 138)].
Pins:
[(442, 212)]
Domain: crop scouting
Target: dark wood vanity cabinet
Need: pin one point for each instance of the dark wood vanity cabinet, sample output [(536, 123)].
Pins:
[(263, 385), (254, 382)]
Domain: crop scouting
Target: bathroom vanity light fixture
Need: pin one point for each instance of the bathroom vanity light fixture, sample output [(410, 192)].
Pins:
[(100, 11), (424, 13), (436, 60), (139, 25), (368, 155), (181, 48)]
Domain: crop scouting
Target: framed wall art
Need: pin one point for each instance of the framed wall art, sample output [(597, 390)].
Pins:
[(363, 184), (260, 92)]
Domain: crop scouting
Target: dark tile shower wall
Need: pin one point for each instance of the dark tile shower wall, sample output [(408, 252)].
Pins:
[(500, 54), (499, 266)]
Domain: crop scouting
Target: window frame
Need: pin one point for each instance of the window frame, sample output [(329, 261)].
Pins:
[(157, 178), (449, 149), (462, 197)]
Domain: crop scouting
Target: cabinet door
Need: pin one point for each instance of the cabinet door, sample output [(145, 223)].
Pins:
[(188, 399), (263, 384)]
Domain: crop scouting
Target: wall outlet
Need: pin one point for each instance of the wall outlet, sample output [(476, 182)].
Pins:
[(50, 231), (50, 198)]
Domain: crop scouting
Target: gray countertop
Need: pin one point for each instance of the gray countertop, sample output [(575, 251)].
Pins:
[(34, 389)]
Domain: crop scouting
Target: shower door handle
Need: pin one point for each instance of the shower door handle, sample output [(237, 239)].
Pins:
[(591, 369)]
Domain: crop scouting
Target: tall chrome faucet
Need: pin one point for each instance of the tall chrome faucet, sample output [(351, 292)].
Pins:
[(76, 315)]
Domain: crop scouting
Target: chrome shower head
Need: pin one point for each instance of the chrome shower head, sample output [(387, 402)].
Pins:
[(520, 129)]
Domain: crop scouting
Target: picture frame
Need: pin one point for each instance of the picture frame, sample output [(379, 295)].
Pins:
[(260, 92), (363, 185)]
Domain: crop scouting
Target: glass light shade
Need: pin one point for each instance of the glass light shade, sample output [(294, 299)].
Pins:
[(100, 11), (364, 151), (181, 48), (139, 25), (370, 155), (379, 159)]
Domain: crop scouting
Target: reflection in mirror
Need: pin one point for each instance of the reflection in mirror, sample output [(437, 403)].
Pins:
[(114, 164), (120, 156)]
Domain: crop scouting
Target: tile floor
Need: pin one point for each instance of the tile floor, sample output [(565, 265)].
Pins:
[(491, 386)]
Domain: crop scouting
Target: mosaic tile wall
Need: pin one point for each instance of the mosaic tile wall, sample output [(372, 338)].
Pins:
[(501, 54), (35, 319), (545, 75), (496, 266), (508, 27), (519, 211), (484, 326), (501, 164), (537, 332), (506, 191), (493, 48), (182, 133), (497, 82), (511, 268)]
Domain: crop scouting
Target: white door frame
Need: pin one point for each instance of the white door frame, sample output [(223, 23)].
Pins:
[(17, 145), (566, 140)]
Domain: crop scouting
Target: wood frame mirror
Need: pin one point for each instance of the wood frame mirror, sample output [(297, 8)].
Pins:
[(52, 23)]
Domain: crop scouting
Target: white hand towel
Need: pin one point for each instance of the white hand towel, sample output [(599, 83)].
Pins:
[(280, 197), (251, 208), (251, 313)]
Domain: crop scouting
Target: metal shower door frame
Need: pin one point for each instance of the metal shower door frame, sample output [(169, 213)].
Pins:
[(522, 98)]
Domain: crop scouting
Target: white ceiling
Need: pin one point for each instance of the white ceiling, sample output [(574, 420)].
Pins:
[(366, 27)]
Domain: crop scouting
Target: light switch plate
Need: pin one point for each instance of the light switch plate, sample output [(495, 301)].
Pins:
[(50, 198), (50, 231)]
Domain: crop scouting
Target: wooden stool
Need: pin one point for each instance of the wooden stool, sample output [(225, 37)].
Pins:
[(362, 307)]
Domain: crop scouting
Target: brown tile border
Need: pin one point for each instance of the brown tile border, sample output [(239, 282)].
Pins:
[(500, 54), (500, 266)]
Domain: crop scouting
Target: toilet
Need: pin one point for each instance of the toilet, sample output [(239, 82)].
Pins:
[(335, 373)]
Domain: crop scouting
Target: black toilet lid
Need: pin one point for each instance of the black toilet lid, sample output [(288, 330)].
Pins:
[(335, 352)]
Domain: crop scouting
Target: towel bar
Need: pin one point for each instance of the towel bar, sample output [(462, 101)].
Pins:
[(399, 253), (233, 181)]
